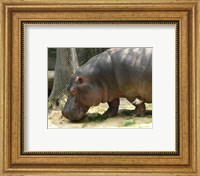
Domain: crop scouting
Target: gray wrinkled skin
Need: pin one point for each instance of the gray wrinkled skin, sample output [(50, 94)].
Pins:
[(117, 72)]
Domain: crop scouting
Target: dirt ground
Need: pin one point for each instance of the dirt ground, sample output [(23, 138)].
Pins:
[(94, 119)]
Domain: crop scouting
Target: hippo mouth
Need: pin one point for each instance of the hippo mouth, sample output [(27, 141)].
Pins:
[(76, 114)]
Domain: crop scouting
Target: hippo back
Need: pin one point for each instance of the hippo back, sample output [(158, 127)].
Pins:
[(133, 72)]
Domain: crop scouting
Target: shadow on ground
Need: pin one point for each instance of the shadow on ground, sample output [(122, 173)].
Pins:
[(94, 118)]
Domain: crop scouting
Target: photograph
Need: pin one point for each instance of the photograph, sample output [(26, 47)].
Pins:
[(100, 87)]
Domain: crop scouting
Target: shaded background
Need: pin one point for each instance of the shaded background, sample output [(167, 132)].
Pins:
[(62, 62)]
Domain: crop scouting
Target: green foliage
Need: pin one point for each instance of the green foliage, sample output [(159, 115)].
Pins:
[(84, 125), (50, 104), (148, 122), (85, 54), (51, 58), (52, 52), (128, 123), (95, 118), (127, 112)]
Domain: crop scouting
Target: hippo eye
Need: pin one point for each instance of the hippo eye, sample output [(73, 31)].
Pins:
[(78, 80)]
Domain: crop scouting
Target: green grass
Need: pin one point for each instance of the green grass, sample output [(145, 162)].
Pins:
[(129, 117), (127, 112), (84, 125), (50, 104), (128, 123), (149, 122), (95, 118)]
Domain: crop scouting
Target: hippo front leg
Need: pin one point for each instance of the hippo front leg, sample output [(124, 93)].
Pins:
[(113, 108), (140, 109)]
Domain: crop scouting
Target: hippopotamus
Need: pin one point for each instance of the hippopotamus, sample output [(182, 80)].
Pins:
[(115, 73)]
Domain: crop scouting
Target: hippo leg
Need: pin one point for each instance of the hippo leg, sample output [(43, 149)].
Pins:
[(140, 109), (113, 108)]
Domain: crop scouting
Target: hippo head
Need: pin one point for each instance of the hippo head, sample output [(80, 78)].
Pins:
[(82, 95)]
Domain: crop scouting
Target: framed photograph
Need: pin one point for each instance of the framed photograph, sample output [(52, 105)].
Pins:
[(100, 88)]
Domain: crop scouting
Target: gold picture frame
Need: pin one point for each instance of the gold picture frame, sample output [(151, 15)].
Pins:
[(14, 161)]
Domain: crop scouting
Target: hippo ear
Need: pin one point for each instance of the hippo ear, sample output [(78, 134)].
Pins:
[(78, 80)]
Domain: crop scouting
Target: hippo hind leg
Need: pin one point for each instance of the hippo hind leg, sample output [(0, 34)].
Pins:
[(113, 108), (140, 109)]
